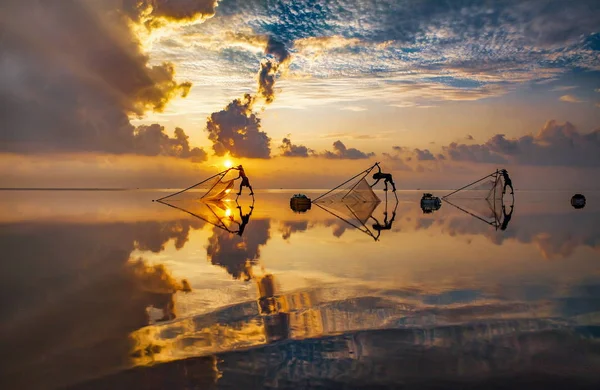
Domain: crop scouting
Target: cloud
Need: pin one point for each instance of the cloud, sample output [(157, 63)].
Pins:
[(570, 99), (353, 108), (341, 152), (380, 135), (424, 155), (400, 156), (288, 149), (556, 144), (79, 95), (396, 159), (564, 88), (597, 90), (236, 130), (269, 68), (404, 53), (152, 141), (157, 13), (469, 137), (317, 46)]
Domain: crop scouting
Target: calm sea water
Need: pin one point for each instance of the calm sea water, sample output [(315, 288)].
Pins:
[(107, 289)]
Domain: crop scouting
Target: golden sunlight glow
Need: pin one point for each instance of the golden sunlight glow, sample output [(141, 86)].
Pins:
[(228, 213), (227, 191), (228, 163)]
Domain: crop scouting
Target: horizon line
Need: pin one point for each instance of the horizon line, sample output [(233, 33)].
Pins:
[(267, 189)]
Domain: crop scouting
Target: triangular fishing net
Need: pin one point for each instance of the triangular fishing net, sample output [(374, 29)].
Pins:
[(356, 202), (215, 188), (482, 199), (353, 201)]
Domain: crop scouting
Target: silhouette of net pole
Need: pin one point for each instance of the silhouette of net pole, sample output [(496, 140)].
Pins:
[(221, 226), (495, 175), (197, 184), (363, 173)]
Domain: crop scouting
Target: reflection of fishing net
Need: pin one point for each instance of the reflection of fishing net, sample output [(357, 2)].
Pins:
[(357, 202), (482, 199), (353, 201), (214, 188), (217, 213)]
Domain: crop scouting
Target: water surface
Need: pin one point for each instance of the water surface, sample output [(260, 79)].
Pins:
[(111, 290)]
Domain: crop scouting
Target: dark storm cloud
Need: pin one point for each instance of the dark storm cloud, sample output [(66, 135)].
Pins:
[(236, 130), (340, 151), (288, 149), (72, 73), (238, 253), (556, 144)]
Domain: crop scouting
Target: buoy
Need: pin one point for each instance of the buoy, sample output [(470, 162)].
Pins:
[(430, 203), (578, 201), (300, 203)]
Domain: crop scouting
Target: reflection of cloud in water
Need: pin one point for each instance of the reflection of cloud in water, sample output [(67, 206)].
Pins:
[(287, 228), (71, 295), (152, 236), (555, 235), (234, 253)]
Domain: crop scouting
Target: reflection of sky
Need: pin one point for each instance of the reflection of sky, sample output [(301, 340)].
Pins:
[(429, 270)]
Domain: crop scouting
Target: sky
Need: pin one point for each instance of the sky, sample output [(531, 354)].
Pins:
[(161, 93)]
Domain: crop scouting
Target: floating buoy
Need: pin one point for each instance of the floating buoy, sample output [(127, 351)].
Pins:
[(430, 203), (300, 203), (578, 201)]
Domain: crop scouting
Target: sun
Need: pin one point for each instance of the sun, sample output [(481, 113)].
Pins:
[(228, 163)]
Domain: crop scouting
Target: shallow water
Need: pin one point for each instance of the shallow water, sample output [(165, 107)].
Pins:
[(92, 293)]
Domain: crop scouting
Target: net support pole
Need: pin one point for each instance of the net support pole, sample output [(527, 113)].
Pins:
[(366, 172), (190, 187), (468, 185)]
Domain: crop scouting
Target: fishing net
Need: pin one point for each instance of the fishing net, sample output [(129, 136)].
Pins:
[(215, 188), (354, 202), (482, 199)]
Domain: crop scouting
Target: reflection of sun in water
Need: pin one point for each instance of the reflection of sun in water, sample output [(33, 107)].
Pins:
[(228, 163)]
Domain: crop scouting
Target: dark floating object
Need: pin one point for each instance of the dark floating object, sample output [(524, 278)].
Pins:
[(300, 203), (578, 201), (430, 203)]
